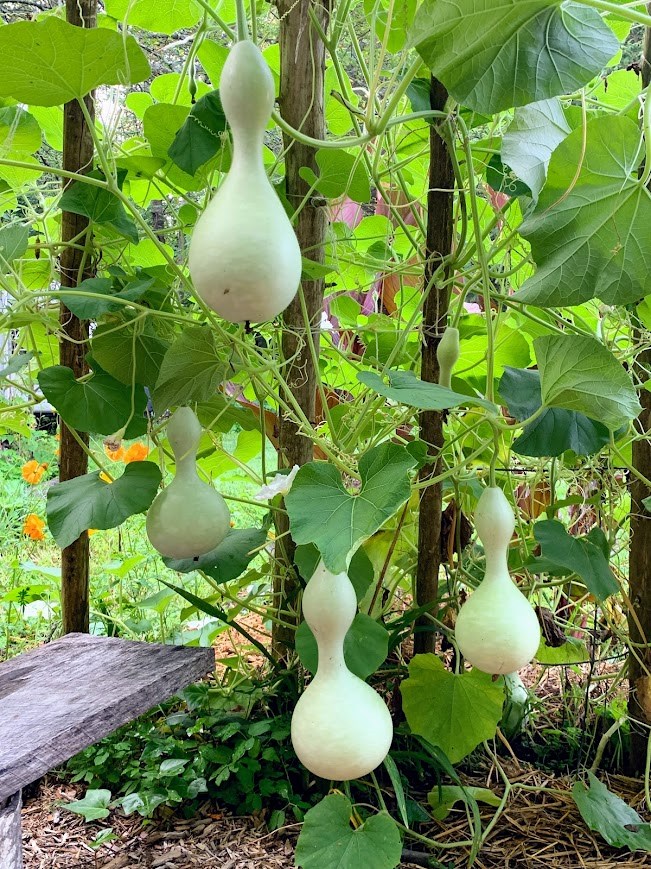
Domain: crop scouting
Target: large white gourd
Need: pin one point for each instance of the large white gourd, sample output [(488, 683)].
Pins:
[(341, 728), (245, 260), (188, 518), (497, 629)]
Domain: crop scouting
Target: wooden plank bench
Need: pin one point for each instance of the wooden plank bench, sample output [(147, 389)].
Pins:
[(62, 697)]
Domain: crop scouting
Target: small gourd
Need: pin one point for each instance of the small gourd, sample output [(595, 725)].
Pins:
[(188, 518), (497, 629), (341, 728), (245, 261), (447, 354)]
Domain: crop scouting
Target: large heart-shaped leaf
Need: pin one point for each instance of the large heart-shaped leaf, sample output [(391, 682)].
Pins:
[(555, 430), (328, 841), (191, 371), (608, 814), (323, 512), (534, 133), (408, 389), (454, 711), (13, 242), (365, 646), (50, 62), (100, 404), (579, 373), (88, 502), (589, 230), (495, 54)]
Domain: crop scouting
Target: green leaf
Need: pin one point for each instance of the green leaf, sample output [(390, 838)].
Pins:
[(608, 814), (157, 16), (323, 512), (339, 173), (213, 57), (50, 62), (199, 138), (328, 841), (534, 133), (88, 502), (555, 430), (93, 806), (399, 791), (365, 646), (502, 178), (99, 404), (228, 560), (493, 56), (402, 16), (19, 131), (455, 712), (118, 352), (588, 232), (581, 555), (408, 389), (91, 309), (572, 651), (16, 362), (13, 242), (579, 373), (443, 799), (192, 369), (99, 205)]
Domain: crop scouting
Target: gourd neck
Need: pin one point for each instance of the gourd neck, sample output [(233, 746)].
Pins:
[(247, 151), (186, 467), (331, 656), (497, 568)]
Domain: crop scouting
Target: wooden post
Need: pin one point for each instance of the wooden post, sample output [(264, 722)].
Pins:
[(639, 557), (11, 842), (75, 266), (440, 217), (302, 66)]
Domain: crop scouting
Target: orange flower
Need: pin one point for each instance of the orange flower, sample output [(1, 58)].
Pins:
[(33, 527), (57, 452), (136, 453), (92, 531), (114, 455), (33, 471)]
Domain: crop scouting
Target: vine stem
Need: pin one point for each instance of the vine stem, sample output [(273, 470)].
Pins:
[(620, 11)]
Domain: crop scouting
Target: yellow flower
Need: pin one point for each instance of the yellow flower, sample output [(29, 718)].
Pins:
[(33, 471), (136, 453), (92, 531), (105, 477), (33, 527)]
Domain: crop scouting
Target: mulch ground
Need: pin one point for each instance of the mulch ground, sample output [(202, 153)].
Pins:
[(535, 830)]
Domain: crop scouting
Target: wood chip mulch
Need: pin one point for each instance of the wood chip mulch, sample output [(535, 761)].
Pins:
[(536, 830)]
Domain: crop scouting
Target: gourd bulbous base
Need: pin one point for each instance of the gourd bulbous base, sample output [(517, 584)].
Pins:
[(341, 728), (497, 629), (187, 519), (244, 259)]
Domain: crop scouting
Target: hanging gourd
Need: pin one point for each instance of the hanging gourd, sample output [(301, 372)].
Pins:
[(497, 629), (341, 728), (447, 354), (245, 261), (188, 518)]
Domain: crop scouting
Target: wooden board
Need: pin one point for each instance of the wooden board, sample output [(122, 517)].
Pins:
[(67, 695), (11, 843)]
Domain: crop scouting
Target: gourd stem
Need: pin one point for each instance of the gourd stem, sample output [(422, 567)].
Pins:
[(242, 25)]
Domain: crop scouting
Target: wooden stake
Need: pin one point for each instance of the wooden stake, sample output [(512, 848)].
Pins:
[(440, 217), (75, 266)]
